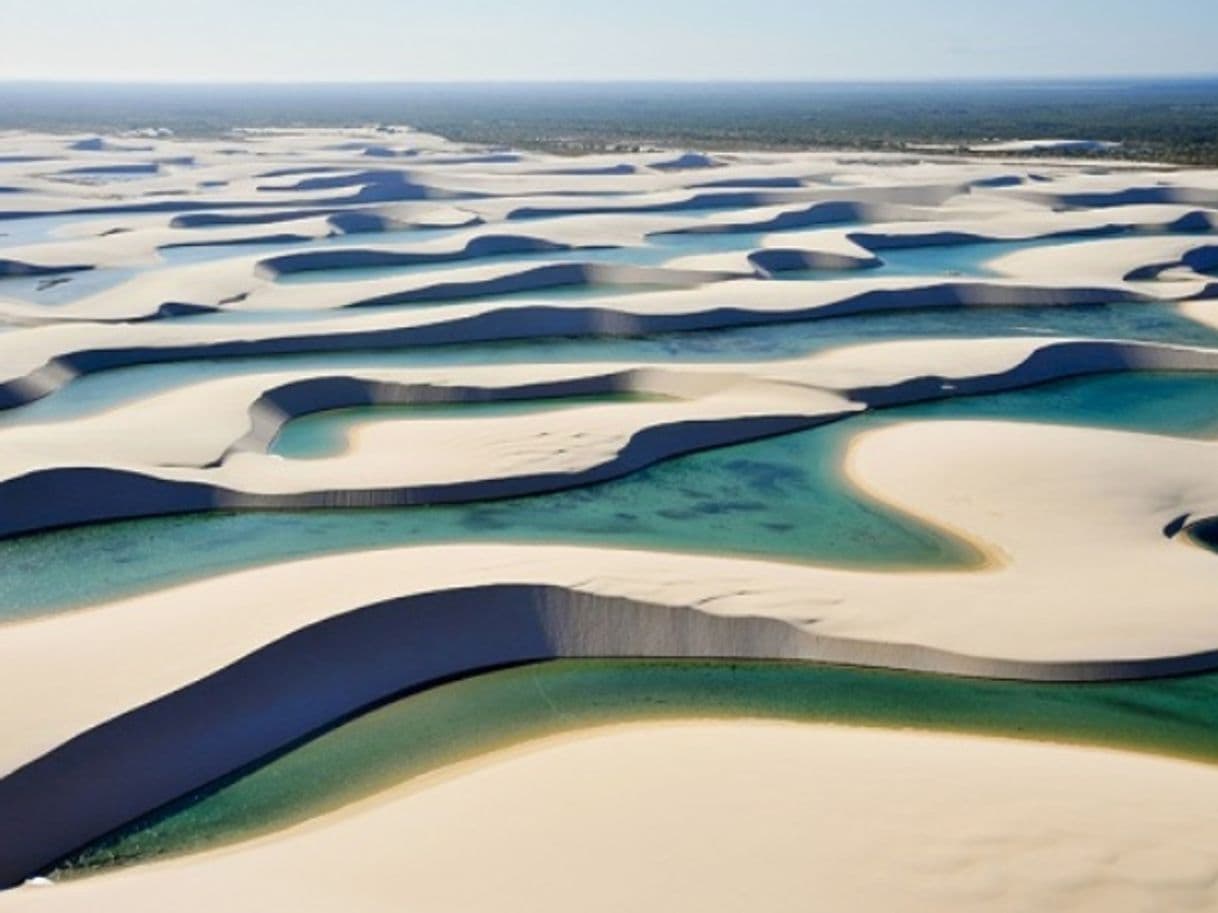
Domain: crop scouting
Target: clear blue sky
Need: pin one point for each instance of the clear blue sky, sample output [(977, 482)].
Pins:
[(340, 40)]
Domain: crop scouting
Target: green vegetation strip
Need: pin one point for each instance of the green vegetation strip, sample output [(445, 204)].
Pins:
[(463, 719)]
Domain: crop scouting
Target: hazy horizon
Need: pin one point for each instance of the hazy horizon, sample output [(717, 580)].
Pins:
[(894, 82), (382, 41)]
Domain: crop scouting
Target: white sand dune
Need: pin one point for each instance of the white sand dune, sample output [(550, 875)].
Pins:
[(1068, 605), (68, 472), (121, 252)]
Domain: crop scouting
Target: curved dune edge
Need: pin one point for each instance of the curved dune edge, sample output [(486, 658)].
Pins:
[(1123, 250), (692, 199), (1201, 531), (824, 226), (721, 408), (1136, 829), (1082, 483), (218, 288), (398, 742), (310, 670), (49, 357), (277, 655), (330, 669), (535, 278), (1081, 574), (705, 410), (488, 245)]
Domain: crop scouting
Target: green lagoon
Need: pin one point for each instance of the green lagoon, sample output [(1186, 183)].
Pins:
[(464, 719)]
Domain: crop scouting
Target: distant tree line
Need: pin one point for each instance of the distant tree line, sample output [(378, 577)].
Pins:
[(1174, 121)]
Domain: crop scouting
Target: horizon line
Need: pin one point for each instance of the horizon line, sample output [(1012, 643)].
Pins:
[(91, 82)]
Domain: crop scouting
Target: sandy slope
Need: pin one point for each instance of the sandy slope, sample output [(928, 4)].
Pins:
[(722, 816)]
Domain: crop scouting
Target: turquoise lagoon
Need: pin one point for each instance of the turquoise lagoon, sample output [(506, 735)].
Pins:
[(783, 497), (1146, 322)]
